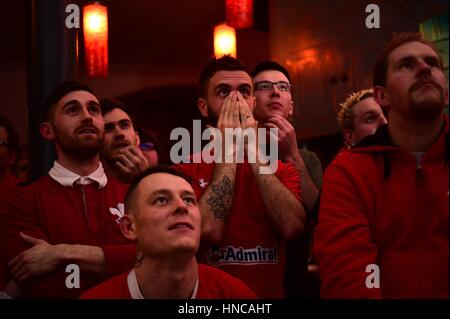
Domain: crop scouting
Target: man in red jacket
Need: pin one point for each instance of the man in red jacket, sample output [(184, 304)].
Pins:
[(61, 234), (163, 217), (383, 222)]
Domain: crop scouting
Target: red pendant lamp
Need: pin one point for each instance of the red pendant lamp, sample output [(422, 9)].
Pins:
[(224, 41), (95, 30), (239, 13)]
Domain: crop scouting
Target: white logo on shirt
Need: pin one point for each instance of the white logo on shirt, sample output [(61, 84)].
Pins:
[(202, 182), (119, 212)]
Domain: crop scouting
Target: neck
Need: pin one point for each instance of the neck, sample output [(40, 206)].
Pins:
[(111, 169), (414, 136), (167, 278), (82, 168)]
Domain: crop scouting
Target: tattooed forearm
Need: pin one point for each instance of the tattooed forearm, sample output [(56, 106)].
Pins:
[(220, 199)]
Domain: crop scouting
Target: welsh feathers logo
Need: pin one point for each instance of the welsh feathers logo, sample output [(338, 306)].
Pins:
[(119, 212)]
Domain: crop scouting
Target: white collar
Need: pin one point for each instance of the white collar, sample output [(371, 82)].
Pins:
[(135, 292), (67, 178)]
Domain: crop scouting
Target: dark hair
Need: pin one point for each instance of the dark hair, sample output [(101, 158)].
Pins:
[(225, 63), (147, 136), (109, 104), (58, 93), (270, 65), (13, 137), (398, 39), (129, 197)]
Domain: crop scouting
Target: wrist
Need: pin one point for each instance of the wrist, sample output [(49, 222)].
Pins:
[(292, 157), (62, 253)]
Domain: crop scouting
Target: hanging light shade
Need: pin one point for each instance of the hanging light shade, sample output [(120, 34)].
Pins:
[(95, 30), (224, 41), (239, 13)]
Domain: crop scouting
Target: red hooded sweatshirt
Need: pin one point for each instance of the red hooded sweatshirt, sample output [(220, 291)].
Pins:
[(384, 222)]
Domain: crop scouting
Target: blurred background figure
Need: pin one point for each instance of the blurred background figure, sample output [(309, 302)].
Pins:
[(20, 168), (149, 146), (9, 148)]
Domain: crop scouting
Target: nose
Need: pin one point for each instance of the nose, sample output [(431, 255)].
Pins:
[(118, 132), (382, 120), (275, 90), (86, 114), (423, 67), (181, 208)]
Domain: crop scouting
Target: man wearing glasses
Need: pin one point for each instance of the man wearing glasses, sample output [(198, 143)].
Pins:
[(273, 109)]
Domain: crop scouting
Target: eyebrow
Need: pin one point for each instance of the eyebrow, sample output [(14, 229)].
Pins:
[(369, 112), (71, 102), (412, 58), (247, 86), (119, 121), (225, 85), (166, 192), (90, 102), (222, 85)]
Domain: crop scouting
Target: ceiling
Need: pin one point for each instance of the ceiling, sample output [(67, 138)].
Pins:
[(164, 32), (175, 32)]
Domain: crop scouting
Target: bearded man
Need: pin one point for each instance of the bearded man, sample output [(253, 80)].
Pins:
[(61, 235)]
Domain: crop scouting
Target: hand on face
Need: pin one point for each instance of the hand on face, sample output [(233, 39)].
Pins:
[(131, 162), (287, 139)]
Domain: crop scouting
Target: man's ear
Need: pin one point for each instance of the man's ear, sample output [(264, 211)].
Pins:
[(291, 110), (348, 137), (47, 131), (127, 226), (138, 140), (203, 106), (380, 96)]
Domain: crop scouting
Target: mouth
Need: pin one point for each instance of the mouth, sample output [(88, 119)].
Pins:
[(181, 226), (87, 130), (275, 105), (121, 144), (425, 83)]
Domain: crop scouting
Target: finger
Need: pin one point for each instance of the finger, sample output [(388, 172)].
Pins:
[(18, 270), (131, 156), (30, 240), (123, 168), (125, 161), (231, 114), (225, 110), (141, 160), (281, 122), (236, 112), (245, 112), (23, 276), (13, 262), (270, 125)]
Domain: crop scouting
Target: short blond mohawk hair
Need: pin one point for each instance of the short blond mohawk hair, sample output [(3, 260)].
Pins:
[(345, 111)]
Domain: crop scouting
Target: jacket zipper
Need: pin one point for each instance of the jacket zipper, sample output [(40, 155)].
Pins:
[(419, 171)]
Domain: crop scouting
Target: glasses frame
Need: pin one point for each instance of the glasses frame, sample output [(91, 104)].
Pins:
[(257, 84)]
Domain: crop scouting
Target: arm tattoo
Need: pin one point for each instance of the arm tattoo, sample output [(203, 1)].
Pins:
[(220, 198)]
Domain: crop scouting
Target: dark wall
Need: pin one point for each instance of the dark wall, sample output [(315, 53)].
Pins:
[(330, 51)]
